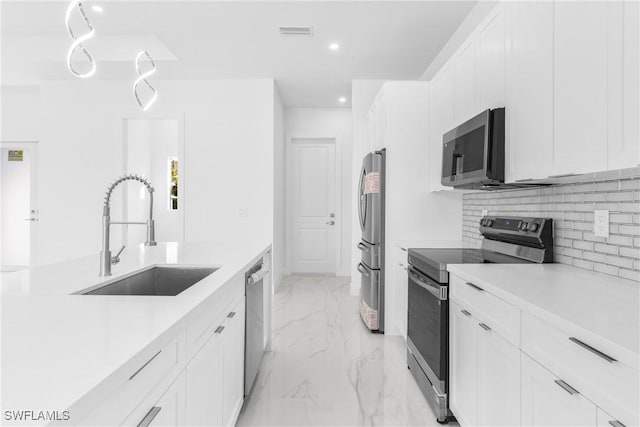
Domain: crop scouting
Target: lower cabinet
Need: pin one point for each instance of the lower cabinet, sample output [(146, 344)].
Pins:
[(402, 290), (549, 401), (214, 377), (170, 410), (484, 372)]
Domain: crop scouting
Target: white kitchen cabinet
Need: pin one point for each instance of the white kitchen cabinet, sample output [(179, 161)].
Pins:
[(402, 290), (623, 35), (491, 68), (529, 108), (607, 420), (549, 401), (499, 380), (580, 87), (233, 364), (463, 366), (204, 383), (484, 372), (215, 375), (171, 408), (465, 87)]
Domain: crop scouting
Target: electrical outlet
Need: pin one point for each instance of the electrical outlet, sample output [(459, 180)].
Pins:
[(244, 212), (485, 212), (601, 223)]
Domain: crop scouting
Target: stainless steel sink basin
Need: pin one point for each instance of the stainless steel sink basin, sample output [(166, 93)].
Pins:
[(159, 281)]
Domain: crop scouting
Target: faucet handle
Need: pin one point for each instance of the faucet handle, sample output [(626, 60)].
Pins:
[(116, 259)]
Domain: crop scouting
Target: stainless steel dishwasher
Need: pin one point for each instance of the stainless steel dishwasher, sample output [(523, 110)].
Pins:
[(254, 326)]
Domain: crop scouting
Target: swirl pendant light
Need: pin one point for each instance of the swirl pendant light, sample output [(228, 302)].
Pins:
[(77, 41), (141, 57), (142, 78)]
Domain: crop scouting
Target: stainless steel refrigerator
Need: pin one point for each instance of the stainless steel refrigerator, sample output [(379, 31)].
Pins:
[(371, 214)]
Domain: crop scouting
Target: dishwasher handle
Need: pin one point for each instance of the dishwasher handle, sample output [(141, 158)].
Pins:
[(258, 275)]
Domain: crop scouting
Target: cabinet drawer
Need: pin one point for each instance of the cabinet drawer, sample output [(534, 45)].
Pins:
[(500, 316), (608, 383), (151, 368), (207, 317)]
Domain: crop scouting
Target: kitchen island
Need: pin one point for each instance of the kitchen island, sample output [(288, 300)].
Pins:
[(106, 359)]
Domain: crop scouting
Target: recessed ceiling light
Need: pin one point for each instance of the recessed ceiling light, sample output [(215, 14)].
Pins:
[(342, 100), (97, 9), (334, 46)]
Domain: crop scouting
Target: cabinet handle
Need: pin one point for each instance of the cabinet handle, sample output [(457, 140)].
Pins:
[(484, 326), (403, 249), (145, 365), (231, 315), (219, 330), (616, 423), (567, 387), (465, 312), (524, 180), (477, 288), (593, 350), (150, 416)]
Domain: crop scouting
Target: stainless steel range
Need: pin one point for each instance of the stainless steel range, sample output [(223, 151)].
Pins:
[(506, 240)]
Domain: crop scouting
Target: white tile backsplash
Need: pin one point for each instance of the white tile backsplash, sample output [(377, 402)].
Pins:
[(571, 206)]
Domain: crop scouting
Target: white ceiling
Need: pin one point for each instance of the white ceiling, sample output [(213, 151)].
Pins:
[(392, 40)]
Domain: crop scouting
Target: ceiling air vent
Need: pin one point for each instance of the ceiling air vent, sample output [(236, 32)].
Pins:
[(296, 31)]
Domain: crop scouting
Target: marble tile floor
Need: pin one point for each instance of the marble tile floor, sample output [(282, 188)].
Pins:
[(327, 369)]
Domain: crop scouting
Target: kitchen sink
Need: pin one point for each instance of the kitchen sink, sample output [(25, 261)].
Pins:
[(158, 281)]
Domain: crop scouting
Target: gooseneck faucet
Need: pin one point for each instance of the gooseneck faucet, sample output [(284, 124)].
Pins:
[(105, 254)]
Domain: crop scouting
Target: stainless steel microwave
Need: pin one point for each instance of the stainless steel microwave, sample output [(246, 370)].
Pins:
[(473, 153)]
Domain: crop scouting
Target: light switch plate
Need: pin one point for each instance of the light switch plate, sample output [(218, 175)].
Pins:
[(244, 212), (485, 212), (601, 223)]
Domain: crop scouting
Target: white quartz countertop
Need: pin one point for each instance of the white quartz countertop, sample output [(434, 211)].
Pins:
[(604, 307), (56, 347)]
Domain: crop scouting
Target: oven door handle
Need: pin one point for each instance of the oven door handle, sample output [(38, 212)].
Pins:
[(439, 292), (362, 270)]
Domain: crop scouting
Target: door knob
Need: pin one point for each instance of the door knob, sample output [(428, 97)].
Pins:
[(331, 222)]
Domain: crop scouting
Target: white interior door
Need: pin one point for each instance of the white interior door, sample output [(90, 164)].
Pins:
[(18, 205), (313, 205)]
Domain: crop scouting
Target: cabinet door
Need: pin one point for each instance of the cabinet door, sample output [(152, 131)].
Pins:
[(499, 380), (623, 33), (171, 408), (529, 106), (463, 365), (580, 87), (233, 355), (205, 385), (465, 85), (402, 292), (546, 401), (606, 420), (492, 60)]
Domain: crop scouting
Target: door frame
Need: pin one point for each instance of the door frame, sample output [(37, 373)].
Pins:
[(124, 161), (289, 138), (32, 145)]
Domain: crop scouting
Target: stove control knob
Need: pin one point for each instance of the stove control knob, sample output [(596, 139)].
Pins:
[(489, 223), (523, 226), (532, 227), (483, 222)]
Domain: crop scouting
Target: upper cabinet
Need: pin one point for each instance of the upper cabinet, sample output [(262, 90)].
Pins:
[(568, 75)]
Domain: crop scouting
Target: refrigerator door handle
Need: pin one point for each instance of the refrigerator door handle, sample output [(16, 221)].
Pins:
[(362, 214), (363, 270)]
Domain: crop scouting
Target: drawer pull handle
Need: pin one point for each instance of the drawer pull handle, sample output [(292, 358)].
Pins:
[(593, 350), (231, 315), (150, 416), (145, 365), (567, 387), (465, 312), (477, 288), (616, 423), (219, 330), (484, 326)]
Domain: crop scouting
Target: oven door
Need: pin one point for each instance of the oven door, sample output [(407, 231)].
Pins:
[(428, 327)]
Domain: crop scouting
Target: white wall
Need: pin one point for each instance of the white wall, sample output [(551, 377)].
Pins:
[(330, 122), (363, 92), (279, 191), (20, 113), (228, 134)]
